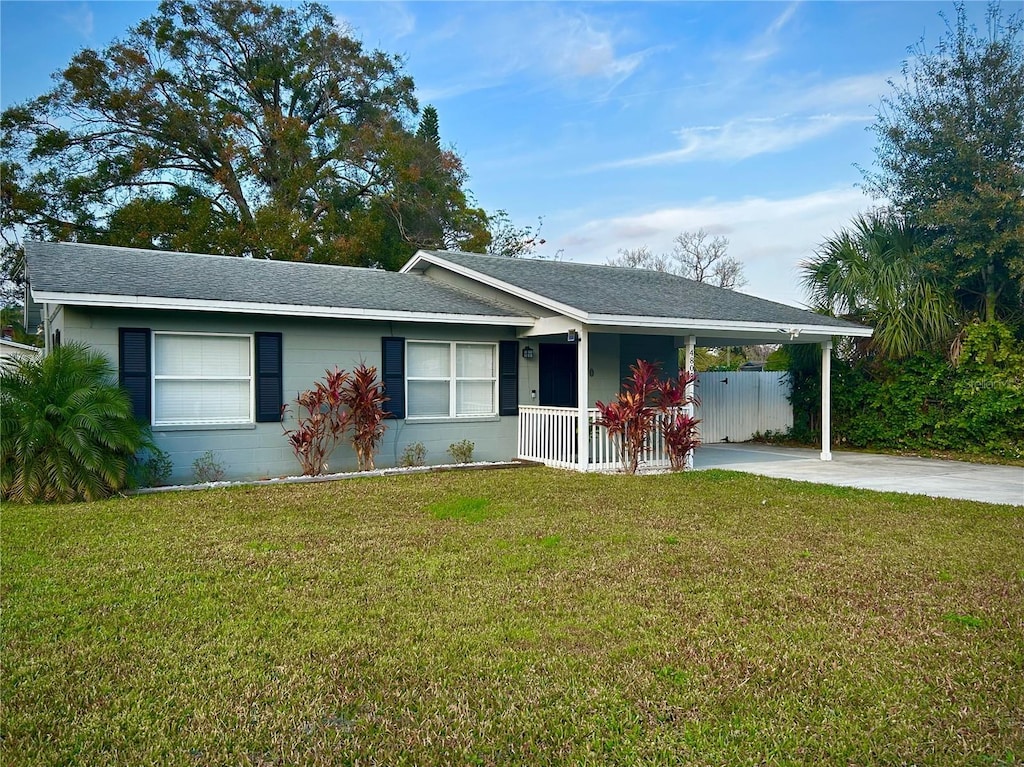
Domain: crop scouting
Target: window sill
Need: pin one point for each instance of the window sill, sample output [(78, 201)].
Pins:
[(456, 419), (204, 427)]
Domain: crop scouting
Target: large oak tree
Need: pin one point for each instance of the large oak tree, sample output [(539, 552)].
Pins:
[(239, 128)]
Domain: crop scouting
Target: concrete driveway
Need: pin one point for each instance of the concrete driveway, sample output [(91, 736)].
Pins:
[(924, 476)]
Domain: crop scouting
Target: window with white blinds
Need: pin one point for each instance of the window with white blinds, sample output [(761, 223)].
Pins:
[(449, 379), (201, 378)]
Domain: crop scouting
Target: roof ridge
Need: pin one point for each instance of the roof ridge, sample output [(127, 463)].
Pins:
[(583, 264)]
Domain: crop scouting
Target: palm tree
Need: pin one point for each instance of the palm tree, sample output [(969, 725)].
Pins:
[(873, 272), (67, 431)]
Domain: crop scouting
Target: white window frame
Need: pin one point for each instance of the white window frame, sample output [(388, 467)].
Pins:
[(453, 380), (251, 378)]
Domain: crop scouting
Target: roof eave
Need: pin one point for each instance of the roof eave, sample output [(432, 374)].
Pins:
[(292, 310), (697, 324)]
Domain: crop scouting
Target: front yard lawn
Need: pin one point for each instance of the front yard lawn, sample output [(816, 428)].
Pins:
[(527, 617)]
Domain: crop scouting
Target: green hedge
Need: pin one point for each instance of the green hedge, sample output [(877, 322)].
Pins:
[(923, 402)]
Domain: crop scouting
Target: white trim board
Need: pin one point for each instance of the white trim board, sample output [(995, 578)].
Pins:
[(293, 310)]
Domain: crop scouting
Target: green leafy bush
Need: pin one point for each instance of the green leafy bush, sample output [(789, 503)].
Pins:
[(414, 454), (461, 451), (988, 412), (923, 402), (206, 468), (153, 468), (68, 432)]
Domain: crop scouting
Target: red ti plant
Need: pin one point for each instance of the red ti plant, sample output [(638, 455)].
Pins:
[(646, 405), (364, 396), (321, 421), (678, 429), (630, 417)]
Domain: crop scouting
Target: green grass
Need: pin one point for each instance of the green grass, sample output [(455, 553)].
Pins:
[(526, 617), (460, 507)]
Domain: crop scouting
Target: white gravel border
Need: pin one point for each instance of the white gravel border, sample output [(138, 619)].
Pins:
[(300, 479)]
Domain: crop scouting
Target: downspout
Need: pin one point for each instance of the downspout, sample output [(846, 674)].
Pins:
[(691, 343), (826, 400), (46, 330), (583, 398)]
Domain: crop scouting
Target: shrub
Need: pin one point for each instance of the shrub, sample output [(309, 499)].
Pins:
[(206, 468), (364, 396), (678, 429), (988, 412), (68, 431), (325, 413), (414, 454), (322, 420), (153, 468), (462, 451), (922, 402), (680, 433), (645, 405)]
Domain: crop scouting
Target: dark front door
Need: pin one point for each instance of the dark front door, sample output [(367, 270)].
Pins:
[(558, 375)]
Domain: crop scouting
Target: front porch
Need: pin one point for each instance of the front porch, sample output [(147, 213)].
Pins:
[(583, 364)]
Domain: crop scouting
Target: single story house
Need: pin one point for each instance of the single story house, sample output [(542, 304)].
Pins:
[(510, 354)]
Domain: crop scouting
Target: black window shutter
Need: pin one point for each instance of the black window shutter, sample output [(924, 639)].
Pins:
[(508, 378), (269, 377), (134, 369), (392, 374)]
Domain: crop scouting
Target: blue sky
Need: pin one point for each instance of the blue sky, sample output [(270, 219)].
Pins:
[(621, 124)]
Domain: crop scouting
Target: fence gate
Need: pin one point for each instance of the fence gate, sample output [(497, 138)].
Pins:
[(735, 406)]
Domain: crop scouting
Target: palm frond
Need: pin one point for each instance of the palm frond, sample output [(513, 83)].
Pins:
[(873, 272), (68, 431)]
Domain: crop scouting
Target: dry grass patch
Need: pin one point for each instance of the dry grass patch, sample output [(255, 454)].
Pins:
[(514, 617)]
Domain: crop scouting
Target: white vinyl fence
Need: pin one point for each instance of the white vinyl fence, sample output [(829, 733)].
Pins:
[(735, 406)]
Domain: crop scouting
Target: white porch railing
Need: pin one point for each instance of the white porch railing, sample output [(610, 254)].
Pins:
[(548, 435)]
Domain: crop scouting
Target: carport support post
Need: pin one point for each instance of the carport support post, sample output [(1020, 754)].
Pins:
[(826, 400), (691, 343), (583, 398)]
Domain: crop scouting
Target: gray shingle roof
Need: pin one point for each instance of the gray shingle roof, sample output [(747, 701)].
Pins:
[(98, 269), (612, 290), (73, 268)]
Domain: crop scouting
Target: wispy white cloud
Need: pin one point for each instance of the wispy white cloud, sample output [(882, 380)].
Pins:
[(770, 236), (767, 44), (854, 92), (384, 25), (79, 17), (782, 20), (544, 45), (569, 45), (742, 138), (802, 112), (402, 20)]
